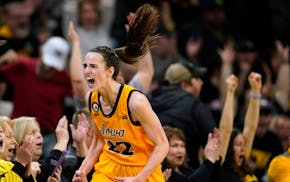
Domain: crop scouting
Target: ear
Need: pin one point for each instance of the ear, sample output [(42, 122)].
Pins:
[(111, 71), (91, 131), (183, 85)]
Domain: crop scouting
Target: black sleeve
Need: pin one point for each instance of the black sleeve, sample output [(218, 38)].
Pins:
[(204, 119), (69, 168), (203, 172), (18, 169)]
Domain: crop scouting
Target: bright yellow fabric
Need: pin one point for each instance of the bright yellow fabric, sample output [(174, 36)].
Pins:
[(6, 173), (126, 143), (5, 32), (250, 178), (106, 170), (279, 168)]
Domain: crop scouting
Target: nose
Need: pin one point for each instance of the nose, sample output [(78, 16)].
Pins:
[(200, 81), (180, 149), (38, 135), (86, 69), (243, 149)]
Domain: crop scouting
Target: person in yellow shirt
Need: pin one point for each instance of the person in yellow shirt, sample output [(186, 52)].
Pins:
[(279, 168), (15, 171), (130, 143)]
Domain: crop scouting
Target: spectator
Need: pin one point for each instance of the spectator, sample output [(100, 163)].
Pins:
[(280, 125), (9, 144), (177, 105), (279, 169), (90, 26), (40, 86), (24, 127), (266, 143), (279, 67), (16, 29), (15, 171), (236, 145), (176, 157)]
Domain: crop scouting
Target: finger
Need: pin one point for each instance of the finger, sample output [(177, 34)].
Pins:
[(72, 127), (209, 136)]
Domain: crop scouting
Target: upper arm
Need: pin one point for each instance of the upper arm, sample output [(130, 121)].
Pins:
[(141, 111), (145, 71)]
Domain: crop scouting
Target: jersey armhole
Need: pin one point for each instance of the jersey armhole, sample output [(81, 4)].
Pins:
[(135, 123), (89, 101)]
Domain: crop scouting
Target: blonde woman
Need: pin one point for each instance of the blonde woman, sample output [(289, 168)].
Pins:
[(28, 127)]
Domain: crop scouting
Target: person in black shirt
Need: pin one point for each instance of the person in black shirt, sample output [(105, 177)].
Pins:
[(176, 157), (176, 104)]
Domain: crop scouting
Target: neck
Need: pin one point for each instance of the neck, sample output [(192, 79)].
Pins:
[(109, 94)]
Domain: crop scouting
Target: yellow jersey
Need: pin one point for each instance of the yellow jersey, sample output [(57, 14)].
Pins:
[(6, 172), (279, 168), (126, 142)]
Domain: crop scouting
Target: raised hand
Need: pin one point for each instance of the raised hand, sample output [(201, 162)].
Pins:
[(232, 83), (25, 151), (227, 54), (282, 52), (212, 150), (62, 135), (79, 133), (130, 19), (72, 34), (255, 80)]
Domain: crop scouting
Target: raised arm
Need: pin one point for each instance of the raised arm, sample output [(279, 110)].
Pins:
[(145, 71), (227, 118), (282, 95), (227, 56), (78, 80), (253, 111), (62, 136)]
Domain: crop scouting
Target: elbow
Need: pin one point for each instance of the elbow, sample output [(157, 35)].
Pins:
[(165, 146)]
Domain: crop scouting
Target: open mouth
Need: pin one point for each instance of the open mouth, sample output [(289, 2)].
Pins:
[(39, 144), (90, 80)]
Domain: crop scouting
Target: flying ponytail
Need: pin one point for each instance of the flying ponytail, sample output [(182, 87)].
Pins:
[(141, 35)]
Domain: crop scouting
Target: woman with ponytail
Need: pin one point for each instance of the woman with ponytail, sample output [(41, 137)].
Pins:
[(129, 143)]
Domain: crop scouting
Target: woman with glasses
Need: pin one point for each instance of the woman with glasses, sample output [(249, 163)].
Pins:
[(129, 143)]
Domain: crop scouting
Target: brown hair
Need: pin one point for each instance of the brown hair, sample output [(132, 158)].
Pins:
[(94, 3), (173, 131), (140, 39), (87, 113)]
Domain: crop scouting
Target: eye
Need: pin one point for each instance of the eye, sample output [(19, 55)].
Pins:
[(8, 135)]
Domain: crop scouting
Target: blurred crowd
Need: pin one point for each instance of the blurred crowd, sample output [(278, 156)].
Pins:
[(201, 44)]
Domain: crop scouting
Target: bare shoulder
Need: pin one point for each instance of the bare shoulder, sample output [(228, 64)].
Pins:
[(138, 101)]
